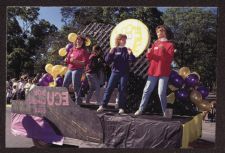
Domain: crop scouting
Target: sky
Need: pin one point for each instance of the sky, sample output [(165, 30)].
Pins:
[(53, 15)]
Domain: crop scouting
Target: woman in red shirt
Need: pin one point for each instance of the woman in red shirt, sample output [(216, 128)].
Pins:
[(160, 57), (76, 60)]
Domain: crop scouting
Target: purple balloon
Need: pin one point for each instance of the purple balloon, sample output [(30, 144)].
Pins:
[(182, 94), (204, 91), (45, 75), (42, 82), (49, 78), (177, 81), (191, 80), (68, 47), (59, 81)]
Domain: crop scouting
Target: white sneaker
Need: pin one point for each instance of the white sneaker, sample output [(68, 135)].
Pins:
[(138, 112), (121, 111), (164, 115), (100, 109)]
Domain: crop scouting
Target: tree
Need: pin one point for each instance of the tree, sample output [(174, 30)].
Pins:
[(25, 43), (195, 38), (79, 16)]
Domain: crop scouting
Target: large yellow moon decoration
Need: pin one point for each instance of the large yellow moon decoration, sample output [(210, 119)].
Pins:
[(138, 35)]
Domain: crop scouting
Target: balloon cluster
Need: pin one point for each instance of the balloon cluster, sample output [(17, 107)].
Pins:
[(54, 76), (185, 87), (47, 80)]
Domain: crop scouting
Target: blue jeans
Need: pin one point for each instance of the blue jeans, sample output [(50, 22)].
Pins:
[(94, 85), (149, 87), (114, 79), (74, 76)]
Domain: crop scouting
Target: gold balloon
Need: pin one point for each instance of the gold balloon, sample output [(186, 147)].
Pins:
[(171, 87), (72, 37), (56, 70), (52, 84), (62, 52), (196, 74), (204, 106), (48, 68), (87, 42), (63, 70), (171, 98), (196, 97), (184, 72)]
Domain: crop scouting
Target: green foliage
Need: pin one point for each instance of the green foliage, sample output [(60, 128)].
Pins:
[(78, 16), (195, 38), (26, 45)]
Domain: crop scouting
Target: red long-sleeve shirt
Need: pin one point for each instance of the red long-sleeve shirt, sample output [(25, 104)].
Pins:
[(79, 54), (160, 58)]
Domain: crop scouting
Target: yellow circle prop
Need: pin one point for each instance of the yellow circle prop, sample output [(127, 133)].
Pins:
[(72, 37), (184, 72), (138, 35), (196, 97), (87, 42), (62, 52), (48, 68)]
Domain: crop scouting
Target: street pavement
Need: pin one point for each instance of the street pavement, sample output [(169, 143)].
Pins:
[(15, 141)]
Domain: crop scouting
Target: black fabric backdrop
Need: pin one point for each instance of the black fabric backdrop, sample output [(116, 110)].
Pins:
[(142, 132)]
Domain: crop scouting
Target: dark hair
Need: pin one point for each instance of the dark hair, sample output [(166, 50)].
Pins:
[(118, 38), (96, 48), (169, 34)]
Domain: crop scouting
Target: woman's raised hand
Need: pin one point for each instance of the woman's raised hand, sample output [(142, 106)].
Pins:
[(149, 50), (129, 51), (111, 51)]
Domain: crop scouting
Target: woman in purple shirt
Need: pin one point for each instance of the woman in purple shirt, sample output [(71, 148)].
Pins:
[(119, 57)]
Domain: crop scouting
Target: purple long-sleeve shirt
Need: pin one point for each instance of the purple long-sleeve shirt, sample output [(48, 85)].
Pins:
[(120, 59)]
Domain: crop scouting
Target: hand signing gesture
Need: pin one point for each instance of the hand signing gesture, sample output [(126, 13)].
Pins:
[(129, 51)]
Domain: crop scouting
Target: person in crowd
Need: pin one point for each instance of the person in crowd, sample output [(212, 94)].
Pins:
[(119, 57), (14, 89), (27, 86), (160, 56), (33, 84), (76, 60), (21, 84)]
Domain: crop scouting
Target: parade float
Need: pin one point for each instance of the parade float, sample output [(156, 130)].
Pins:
[(48, 115)]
